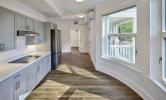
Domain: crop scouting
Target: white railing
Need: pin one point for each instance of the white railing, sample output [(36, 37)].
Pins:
[(122, 52)]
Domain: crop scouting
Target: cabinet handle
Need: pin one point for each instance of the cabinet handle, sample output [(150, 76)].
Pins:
[(38, 68), (27, 27), (16, 76), (16, 86), (18, 83)]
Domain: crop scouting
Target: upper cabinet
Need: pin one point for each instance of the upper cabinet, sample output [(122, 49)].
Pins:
[(29, 24), (36, 26), (20, 22), (7, 30), (10, 22), (39, 28)]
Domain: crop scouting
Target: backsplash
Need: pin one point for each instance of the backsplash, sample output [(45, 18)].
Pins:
[(21, 48)]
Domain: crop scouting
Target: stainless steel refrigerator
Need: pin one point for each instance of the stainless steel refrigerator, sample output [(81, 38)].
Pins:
[(55, 48)]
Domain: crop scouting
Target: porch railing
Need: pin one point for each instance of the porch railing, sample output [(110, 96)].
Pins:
[(122, 52)]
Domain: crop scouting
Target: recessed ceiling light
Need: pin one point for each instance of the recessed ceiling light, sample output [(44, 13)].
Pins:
[(80, 16), (79, 1)]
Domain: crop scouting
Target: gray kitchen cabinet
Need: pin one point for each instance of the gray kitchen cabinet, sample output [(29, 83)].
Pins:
[(47, 64), (19, 84), (7, 29), (15, 86), (23, 83), (20, 22), (36, 26), (32, 77), (40, 70), (7, 93), (1, 42), (29, 24), (39, 28)]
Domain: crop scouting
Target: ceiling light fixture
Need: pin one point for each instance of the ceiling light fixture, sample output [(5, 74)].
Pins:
[(80, 16), (79, 1)]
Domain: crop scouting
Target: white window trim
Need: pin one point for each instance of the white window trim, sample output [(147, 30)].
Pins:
[(163, 57), (163, 73)]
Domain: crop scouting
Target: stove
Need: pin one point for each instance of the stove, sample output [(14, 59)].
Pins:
[(26, 59)]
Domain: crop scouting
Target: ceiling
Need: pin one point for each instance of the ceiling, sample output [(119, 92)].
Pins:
[(72, 7), (61, 8)]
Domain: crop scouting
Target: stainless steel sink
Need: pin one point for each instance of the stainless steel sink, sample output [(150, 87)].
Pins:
[(26, 59)]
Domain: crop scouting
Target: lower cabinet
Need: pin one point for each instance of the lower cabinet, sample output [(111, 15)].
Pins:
[(18, 85), (32, 79), (48, 63), (7, 93), (40, 69)]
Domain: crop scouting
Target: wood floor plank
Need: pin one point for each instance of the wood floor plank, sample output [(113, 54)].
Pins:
[(76, 79)]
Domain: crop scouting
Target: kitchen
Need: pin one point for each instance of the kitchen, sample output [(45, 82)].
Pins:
[(81, 49)]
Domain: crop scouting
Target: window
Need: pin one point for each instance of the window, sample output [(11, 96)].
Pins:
[(164, 41), (119, 31)]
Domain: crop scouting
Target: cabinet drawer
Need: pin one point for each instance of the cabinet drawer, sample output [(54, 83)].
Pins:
[(5, 83)]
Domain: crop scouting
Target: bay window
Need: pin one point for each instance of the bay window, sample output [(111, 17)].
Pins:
[(118, 35)]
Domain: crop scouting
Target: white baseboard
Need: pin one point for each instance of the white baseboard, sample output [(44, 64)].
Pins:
[(138, 89), (93, 60)]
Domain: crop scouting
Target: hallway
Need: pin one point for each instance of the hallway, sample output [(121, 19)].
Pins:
[(76, 79)]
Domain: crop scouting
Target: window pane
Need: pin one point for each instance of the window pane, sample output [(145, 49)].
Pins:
[(118, 41), (165, 60), (123, 21), (122, 48)]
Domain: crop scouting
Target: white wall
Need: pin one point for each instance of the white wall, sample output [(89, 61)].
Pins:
[(66, 26), (92, 40), (138, 77), (74, 38), (84, 38)]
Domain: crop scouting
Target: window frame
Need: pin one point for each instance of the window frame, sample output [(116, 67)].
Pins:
[(163, 39), (133, 34)]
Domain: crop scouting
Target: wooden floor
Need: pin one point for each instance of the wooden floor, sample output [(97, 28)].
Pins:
[(76, 79)]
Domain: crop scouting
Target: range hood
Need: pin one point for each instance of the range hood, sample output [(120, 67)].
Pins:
[(26, 33), (32, 38)]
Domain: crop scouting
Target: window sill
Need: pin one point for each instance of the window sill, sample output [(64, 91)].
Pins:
[(160, 84), (123, 63)]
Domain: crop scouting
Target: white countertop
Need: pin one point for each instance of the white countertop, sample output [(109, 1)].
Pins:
[(9, 69)]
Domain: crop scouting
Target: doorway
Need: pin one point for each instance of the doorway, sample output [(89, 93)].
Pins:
[(74, 40)]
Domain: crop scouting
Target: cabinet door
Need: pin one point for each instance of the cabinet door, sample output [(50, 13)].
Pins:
[(41, 31), (48, 63), (1, 38), (23, 83), (8, 31), (7, 93), (20, 22), (32, 77), (29, 24), (36, 26), (40, 69)]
